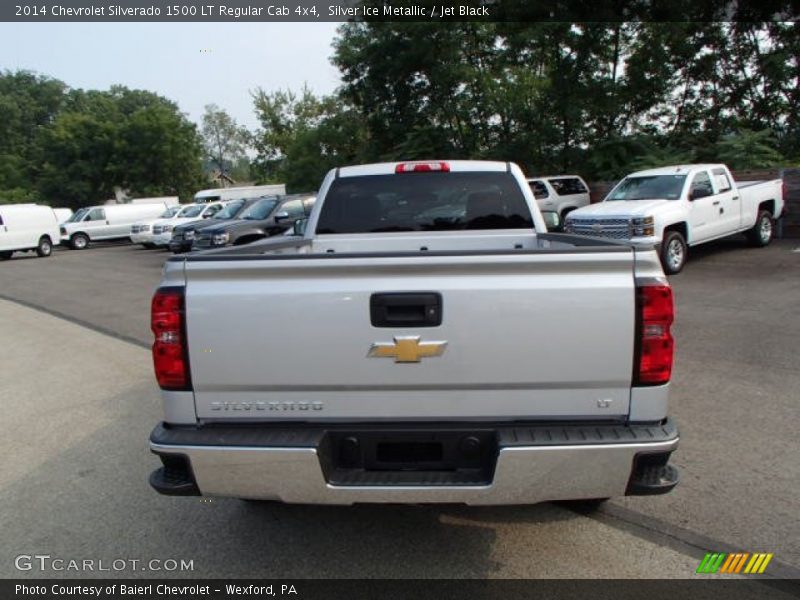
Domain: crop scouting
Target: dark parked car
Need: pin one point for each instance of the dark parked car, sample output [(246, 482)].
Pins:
[(183, 235), (267, 217)]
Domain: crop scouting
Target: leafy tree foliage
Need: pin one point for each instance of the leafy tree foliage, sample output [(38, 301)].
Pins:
[(597, 98), (28, 103), (225, 142), (302, 137), (75, 147)]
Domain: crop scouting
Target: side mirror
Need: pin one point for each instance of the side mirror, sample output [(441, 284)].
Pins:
[(299, 228), (281, 216), (552, 220)]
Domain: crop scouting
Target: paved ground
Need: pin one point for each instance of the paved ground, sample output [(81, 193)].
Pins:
[(735, 397)]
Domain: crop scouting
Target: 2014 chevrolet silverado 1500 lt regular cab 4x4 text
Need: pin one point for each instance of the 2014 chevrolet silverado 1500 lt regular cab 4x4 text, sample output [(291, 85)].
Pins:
[(425, 340), (677, 207)]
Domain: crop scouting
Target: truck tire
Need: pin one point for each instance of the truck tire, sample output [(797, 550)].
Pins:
[(6, 255), (673, 252), (79, 241), (761, 233), (45, 246)]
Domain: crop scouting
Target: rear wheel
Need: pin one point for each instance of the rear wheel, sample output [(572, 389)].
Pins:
[(45, 246), (761, 233), (673, 252), (6, 255), (79, 241)]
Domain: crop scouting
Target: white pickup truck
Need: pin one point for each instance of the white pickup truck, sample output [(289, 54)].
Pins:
[(423, 340), (681, 206)]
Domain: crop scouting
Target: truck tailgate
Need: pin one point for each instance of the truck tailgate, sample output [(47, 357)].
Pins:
[(528, 335)]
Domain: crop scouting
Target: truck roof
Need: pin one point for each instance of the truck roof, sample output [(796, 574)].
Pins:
[(677, 169), (389, 168)]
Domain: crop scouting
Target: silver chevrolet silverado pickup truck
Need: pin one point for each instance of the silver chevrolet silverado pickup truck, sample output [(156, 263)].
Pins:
[(424, 339)]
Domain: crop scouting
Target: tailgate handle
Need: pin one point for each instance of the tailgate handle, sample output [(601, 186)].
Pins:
[(406, 309)]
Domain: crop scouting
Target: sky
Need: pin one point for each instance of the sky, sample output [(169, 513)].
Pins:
[(193, 64)]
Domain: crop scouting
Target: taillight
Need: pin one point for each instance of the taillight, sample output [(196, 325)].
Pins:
[(655, 345), (170, 356), (422, 167)]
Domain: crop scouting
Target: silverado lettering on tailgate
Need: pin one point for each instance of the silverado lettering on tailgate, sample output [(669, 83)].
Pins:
[(284, 405)]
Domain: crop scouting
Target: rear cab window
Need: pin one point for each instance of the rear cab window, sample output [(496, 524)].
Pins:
[(424, 202), (721, 180), (567, 186), (539, 190)]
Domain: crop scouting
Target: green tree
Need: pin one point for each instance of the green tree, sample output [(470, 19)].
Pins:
[(129, 139), (224, 140), (747, 149), (28, 103), (303, 136), (596, 98)]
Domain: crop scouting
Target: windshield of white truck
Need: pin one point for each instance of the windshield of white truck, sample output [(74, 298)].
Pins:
[(650, 187), (424, 202)]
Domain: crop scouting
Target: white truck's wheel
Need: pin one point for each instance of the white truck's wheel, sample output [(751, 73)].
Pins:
[(673, 252), (762, 232)]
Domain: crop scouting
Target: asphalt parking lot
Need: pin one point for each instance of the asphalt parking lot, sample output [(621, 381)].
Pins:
[(80, 403)]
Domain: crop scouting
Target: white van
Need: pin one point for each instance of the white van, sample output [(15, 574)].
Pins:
[(240, 193), (106, 222), (62, 214), (27, 227)]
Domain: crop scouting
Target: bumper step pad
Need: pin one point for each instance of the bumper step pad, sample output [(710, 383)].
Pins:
[(653, 480), (175, 478)]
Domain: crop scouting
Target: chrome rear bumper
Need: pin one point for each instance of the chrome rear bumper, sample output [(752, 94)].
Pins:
[(584, 462)]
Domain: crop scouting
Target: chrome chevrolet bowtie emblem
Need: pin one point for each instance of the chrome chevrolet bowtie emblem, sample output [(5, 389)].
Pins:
[(406, 349)]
